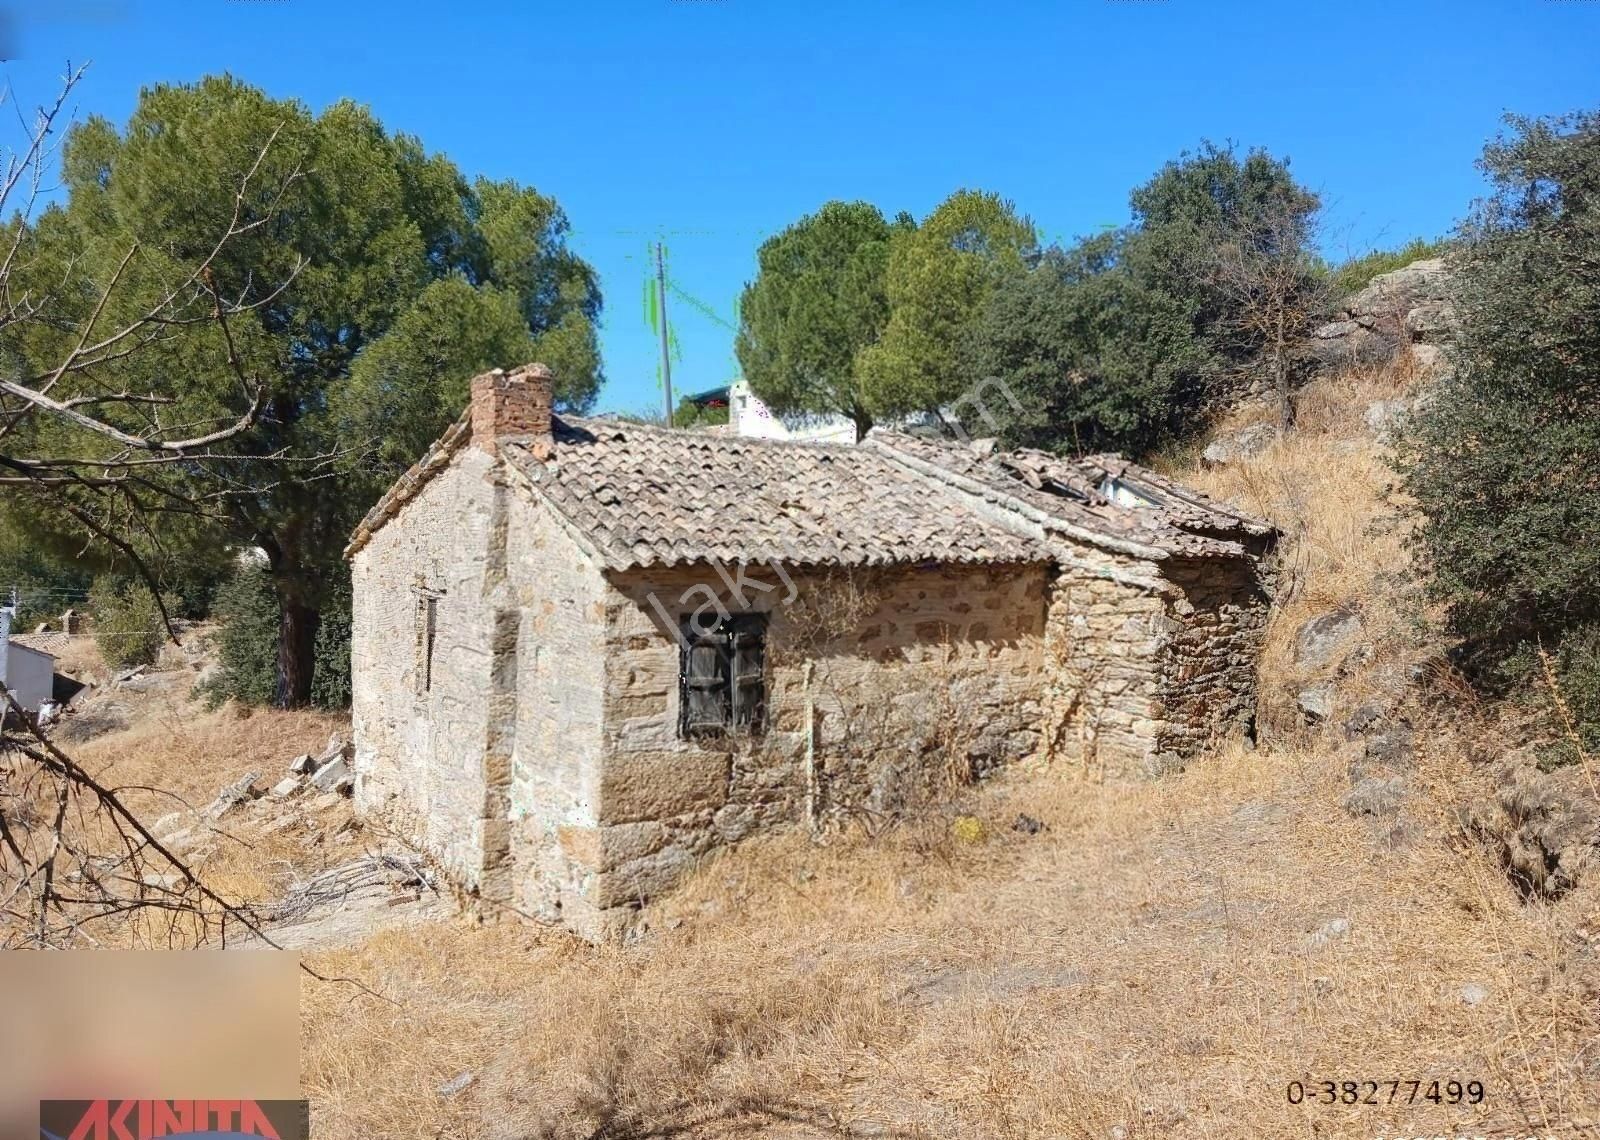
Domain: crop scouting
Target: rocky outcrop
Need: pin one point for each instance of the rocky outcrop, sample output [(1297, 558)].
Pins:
[(1407, 307), (1320, 638), (1234, 447)]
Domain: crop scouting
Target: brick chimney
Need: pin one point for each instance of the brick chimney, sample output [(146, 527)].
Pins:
[(514, 406)]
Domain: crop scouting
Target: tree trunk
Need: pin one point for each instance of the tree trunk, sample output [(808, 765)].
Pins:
[(299, 615), (1282, 381), (297, 639)]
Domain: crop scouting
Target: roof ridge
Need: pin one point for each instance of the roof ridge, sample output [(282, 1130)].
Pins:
[(689, 434)]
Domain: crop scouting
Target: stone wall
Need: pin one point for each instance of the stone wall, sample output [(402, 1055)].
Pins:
[(1107, 625), (495, 767), (883, 688), (543, 763), (1218, 617), (1150, 662), (553, 620), (419, 752)]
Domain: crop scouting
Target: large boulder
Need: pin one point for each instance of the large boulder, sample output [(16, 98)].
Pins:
[(1408, 306), (1234, 447), (1319, 639)]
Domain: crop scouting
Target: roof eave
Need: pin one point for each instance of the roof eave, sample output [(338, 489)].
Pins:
[(409, 485)]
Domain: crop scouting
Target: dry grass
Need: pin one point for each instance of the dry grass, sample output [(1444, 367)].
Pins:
[(1329, 489), (1145, 967), (175, 756), (189, 754), (1147, 962)]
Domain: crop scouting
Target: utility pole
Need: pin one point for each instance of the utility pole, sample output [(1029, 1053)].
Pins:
[(661, 309)]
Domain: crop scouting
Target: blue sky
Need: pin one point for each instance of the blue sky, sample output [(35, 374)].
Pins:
[(713, 123)]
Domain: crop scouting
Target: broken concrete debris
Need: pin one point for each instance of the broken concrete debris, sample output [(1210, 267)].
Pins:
[(334, 776), (337, 748), (236, 793)]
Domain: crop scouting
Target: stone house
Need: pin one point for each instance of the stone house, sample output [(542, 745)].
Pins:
[(587, 651)]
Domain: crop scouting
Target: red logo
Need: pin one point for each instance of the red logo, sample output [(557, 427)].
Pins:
[(146, 1119)]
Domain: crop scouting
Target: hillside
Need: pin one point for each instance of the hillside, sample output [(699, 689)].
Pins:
[(1147, 960), (1049, 956)]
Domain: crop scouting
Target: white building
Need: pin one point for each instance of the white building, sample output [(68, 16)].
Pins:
[(27, 674), (749, 416)]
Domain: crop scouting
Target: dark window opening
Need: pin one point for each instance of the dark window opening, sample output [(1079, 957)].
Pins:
[(427, 633), (722, 675)]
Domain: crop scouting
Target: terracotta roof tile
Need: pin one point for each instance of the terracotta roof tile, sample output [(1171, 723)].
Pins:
[(646, 496), (1102, 498)]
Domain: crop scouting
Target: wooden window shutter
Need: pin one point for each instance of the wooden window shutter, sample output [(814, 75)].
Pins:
[(704, 680), (722, 676), (749, 688)]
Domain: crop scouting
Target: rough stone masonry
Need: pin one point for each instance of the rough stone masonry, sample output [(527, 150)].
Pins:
[(588, 652)]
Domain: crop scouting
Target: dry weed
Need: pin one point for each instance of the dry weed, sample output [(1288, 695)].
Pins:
[(1328, 487), (1151, 961), (1161, 960)]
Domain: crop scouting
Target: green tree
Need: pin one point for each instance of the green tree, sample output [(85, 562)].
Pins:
[(1091, 359), (819, 299), (403, 389), (1208, 204), (1135, 336), (938, 280), (346, 243), (689, 414), (1501, 459)]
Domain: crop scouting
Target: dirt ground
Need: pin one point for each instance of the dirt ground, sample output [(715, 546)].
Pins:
[(1161, 961)]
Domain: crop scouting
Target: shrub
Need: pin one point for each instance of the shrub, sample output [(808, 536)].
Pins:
[(1500, 460), (127, 623), (330, 684), (247, 643), (1573, 707)]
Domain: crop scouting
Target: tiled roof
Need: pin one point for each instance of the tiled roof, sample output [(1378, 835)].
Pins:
[(1102, 499), (647, 496), (642, 496)]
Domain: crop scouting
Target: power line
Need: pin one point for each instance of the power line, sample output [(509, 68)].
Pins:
[(696, 303)]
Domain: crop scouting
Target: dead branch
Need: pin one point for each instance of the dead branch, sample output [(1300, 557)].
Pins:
[(95, 868)]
